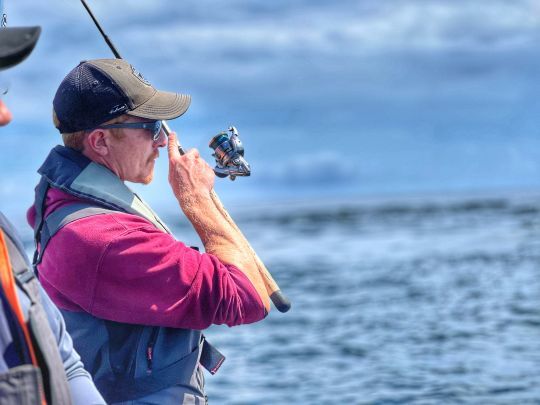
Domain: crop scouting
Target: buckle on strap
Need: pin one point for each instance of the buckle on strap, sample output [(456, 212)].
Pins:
[(211, 358), (25, 276)]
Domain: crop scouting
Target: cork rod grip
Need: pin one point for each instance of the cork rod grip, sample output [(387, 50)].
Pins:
[(281, 302)]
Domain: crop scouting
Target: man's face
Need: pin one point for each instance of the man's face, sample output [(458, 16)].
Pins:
[(133, 156), (5, 114)]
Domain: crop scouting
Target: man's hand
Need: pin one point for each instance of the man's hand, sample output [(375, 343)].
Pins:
[(189, 175), (192, 180)]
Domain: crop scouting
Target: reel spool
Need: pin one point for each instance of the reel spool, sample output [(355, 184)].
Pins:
[(229, 155)]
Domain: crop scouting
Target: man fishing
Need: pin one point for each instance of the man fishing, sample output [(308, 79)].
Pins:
[(38, 364), (134, 298)]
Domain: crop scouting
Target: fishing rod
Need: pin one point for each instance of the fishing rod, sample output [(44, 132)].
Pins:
[(230, 162), (228, 149)]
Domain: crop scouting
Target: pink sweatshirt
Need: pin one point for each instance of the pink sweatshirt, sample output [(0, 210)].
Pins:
[(121, 268)]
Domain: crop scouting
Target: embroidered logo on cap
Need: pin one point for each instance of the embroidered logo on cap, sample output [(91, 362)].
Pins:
[(139, 76), (118, 108)]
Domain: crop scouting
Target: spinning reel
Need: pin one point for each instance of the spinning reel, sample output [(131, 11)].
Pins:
[(229, 155)]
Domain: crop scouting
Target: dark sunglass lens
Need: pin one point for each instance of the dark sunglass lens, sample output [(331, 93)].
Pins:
[(157, 130)]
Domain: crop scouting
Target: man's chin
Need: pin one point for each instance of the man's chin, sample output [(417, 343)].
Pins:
[(148, 179), (141, 180)]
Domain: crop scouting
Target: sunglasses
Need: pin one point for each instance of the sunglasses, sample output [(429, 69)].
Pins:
[(153, 126)]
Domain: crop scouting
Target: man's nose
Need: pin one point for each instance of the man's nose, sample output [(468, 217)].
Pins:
[(5, 114), (162, 140)]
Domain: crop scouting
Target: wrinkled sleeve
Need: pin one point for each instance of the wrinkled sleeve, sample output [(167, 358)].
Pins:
[(145, 276), (82, 388)]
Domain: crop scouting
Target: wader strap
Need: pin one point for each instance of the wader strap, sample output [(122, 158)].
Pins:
[(52, 367), (43, 346), (8, 286), (151, 216), (211, 359), (44, 342), (17, 353), (60, 218), (39, 205), (19, 263)]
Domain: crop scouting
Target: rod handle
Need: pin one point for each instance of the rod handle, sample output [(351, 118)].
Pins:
[(281, 302)]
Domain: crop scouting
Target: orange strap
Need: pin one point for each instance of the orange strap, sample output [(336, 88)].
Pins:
[(8, 285)]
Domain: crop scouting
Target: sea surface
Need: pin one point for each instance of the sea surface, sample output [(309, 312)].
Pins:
[(405, 300), (432, 300)]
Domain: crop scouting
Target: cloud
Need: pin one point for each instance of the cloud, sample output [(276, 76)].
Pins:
[(255, 38), (324, 168), (300, 26), (327, 26), (296, 75)]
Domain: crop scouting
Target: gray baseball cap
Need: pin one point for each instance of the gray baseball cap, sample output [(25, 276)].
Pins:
[(99, 90)]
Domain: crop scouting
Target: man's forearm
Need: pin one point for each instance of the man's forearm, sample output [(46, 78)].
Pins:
[(223, 239)]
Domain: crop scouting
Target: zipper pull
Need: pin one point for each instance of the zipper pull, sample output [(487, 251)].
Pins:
[(150, 349), (149, 358)]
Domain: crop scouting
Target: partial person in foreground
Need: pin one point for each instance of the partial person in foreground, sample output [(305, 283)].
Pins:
[(134, 298), (38, 364)]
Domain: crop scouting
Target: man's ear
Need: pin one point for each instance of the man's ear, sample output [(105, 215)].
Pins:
[(97, 142)]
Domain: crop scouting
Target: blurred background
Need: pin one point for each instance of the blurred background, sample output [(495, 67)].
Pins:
[(394, 195)]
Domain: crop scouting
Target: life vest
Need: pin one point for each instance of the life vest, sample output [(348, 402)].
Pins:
[(38, 375), (121, 357)]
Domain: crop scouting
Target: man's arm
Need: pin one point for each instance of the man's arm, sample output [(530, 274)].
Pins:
[(192, 180)]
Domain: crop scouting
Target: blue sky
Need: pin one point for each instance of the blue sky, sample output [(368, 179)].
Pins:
[(331, 98)]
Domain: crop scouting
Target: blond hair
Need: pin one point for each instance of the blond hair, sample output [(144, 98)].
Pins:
[(75, 140)]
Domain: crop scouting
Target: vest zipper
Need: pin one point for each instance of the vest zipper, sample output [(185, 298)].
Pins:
[(150, 350)]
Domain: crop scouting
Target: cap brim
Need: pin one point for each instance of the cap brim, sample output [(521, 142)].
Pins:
[(16, 44), (163, 106)]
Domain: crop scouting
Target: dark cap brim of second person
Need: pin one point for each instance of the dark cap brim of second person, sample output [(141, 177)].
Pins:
[(16, 44)]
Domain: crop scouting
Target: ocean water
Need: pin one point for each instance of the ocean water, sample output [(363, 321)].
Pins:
[(420, 300)]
